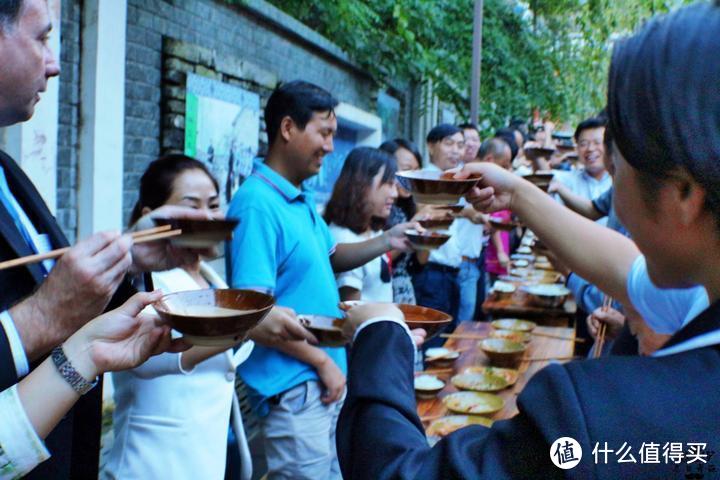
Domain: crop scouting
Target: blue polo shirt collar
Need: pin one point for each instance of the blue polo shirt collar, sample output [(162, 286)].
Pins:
[(279, 183)]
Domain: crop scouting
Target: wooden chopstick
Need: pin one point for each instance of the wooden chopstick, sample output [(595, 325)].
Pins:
[(600, 341), (559, 337), (469, 336), (150, 234), (547, 359)]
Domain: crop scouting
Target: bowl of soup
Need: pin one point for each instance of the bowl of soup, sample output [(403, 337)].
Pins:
[(429, 319), (327, 330), (437, 224), (427, 240), (427, 386), (502, 352), (214, 317), (435, 188), (547, 295), (540, 179), (199, 233)]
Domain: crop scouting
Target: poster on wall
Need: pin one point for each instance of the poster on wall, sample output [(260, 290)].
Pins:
[(222, 127)]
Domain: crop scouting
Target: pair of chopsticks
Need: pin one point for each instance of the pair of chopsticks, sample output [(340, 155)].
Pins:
[(600, 341), (141, 236), (469, 336)]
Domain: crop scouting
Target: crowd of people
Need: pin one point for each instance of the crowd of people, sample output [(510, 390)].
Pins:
[(631, 213)]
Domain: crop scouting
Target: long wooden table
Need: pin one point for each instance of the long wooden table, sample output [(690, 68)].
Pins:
[(539, 347)]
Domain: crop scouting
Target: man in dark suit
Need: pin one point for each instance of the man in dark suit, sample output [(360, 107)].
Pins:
[(631, 416), (43, 304)]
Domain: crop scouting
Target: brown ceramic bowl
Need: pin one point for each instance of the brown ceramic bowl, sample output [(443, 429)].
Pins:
[(427, 240), (565, 148), (502, 352), (441, 357), (547, 295), (199, 233), (435, 188), (540, 179), (532, 153), (214, 317), (427, 386), (327, 330), (455, 209), (437, 224), (500, 225), (429, 319)]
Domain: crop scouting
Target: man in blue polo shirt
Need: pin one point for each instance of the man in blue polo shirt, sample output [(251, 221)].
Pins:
[(283, 246)]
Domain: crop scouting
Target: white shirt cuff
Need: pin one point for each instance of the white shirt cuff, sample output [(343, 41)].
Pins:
[(21, 449), (373, 320), (22, 367)]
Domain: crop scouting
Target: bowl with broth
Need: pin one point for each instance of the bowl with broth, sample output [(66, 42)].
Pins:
[(214, 317), (435, 188), (197, 233)]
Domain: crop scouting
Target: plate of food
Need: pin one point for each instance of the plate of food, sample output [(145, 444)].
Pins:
[(509, 374), (479, 382), (446, 425), (473, 403)]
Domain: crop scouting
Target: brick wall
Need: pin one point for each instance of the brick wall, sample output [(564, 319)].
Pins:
[(68, 118), (233, 33)]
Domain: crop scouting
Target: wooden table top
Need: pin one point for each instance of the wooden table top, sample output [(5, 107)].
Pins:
[(539, 347)]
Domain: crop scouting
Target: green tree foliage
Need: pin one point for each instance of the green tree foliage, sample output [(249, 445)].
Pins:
[(550, 54)]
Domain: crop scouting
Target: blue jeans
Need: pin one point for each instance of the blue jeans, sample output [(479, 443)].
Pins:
[(467, 280), (436, 287)]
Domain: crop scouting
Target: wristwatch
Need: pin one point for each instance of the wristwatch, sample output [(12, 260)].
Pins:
[(68, 372)]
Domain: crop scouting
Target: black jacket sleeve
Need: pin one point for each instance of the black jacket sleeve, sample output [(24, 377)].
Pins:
[(380, 436)]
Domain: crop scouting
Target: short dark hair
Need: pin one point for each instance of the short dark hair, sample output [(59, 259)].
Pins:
[(508, 135), (589, 124), (347, 206), (469, 126), (439, 132), (392, 146), (664, 102), (493, 146), (157, 182), (298, 100), (10, 11)]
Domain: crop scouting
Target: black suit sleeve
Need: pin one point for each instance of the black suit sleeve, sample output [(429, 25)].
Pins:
[(8, 374), (380, 436)]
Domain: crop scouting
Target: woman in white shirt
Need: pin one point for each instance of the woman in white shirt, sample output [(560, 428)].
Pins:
[(358, 209), (172, 412)]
